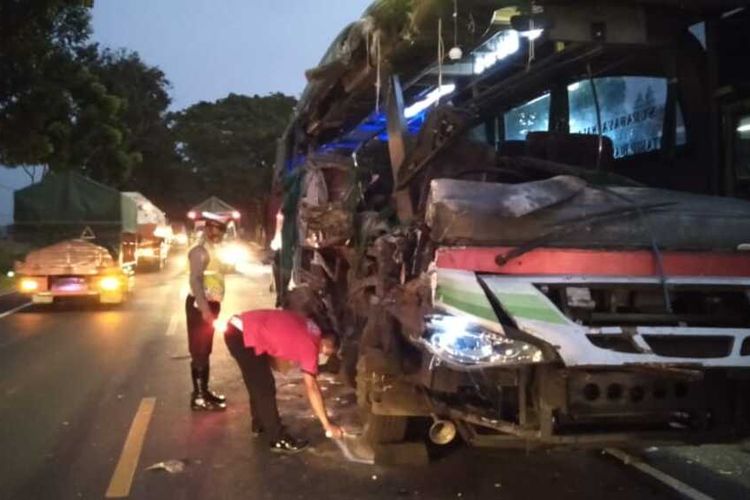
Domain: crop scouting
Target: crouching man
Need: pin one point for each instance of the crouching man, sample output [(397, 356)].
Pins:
[(253, 338)]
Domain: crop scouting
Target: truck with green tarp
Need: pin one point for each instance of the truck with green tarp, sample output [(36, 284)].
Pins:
[(153, 234), (84, 234)]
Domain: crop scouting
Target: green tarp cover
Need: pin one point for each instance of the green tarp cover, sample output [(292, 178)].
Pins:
[(66, 199)]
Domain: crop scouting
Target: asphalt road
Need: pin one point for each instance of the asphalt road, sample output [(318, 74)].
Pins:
[(73, 379)]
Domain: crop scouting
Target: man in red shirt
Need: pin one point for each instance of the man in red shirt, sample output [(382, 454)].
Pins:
[(255, 336)]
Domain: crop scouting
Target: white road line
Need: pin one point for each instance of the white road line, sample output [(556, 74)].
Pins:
[(174, 322), (684, 489), (122, 478), (14, 310)]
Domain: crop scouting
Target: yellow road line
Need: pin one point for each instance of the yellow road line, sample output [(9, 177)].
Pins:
[(122, 478)]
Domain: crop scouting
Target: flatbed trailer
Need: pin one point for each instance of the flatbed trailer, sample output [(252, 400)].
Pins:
[(73, 268)]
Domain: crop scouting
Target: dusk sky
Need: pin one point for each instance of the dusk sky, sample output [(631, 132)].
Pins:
[(209, 48)]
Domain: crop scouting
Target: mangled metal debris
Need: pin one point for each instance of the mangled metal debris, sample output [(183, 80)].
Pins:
[(557, 284)]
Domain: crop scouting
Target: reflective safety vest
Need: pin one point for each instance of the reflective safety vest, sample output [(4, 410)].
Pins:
[(213, 276)]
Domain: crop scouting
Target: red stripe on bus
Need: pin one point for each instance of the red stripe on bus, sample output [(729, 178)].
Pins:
[(574, 261)]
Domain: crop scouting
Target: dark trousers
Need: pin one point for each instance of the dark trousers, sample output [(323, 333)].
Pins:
[(260, 384), (200, 333)]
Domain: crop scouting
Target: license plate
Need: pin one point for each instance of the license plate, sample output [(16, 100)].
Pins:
[(69, 285)]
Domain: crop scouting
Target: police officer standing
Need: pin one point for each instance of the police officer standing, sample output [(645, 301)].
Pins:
[(202, 307)]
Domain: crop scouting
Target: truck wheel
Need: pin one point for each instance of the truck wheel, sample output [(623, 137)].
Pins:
[(379, 429)]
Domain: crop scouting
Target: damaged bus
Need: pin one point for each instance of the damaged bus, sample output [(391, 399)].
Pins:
[(526, 219)]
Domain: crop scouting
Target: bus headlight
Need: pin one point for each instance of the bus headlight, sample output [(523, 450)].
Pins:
[(459, 341)]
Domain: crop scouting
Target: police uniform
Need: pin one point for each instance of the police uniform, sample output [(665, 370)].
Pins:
[(201, 333)]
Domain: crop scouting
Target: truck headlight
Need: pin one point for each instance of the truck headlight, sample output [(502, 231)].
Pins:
[(28, 285), (109, 284), (458, 340)]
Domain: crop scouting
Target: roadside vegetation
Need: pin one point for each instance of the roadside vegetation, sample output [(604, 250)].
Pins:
[(67, 103)]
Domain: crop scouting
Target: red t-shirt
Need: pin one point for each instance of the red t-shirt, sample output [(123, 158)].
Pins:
[(283, 334)]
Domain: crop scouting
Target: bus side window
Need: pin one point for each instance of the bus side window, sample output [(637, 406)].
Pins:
[(632, 112)]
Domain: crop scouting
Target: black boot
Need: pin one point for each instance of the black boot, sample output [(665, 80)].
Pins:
[(288, 445), (199, 400), (212, 396)]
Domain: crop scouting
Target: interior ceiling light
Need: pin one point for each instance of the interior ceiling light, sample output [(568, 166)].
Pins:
[(496, 49), (455, 53)]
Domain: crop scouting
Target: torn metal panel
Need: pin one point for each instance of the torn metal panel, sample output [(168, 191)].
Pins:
[(326, 225), (594, 218), (410, 303), (396, 126), (371, 225), (387, 251), (325, 217), (504, 200)]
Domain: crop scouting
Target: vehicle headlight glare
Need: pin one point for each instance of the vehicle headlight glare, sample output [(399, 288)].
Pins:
[(146, 252), (29, 285), (109, 284), (233, 254), (458, 340)]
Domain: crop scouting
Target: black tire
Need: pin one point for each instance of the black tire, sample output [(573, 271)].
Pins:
[(378, 429)]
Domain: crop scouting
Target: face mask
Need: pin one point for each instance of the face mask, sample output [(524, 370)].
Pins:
[(322, 358)]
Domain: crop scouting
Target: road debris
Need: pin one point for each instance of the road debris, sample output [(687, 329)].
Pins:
[(172, 466)]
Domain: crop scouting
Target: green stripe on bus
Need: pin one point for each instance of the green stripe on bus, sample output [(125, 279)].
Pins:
[(528, 306), (470, 302)]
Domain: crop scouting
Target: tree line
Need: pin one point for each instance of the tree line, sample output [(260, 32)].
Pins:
[(67, 103)]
